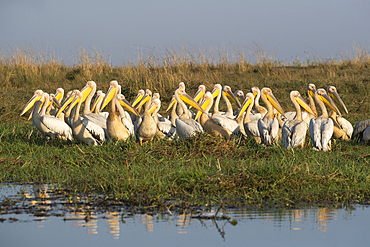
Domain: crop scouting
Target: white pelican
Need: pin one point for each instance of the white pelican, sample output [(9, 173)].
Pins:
[(125, 116), (306, 116), (227, 120), (165, 129), (185, 125), (342, 127), (49, 126), (268, 126), (146, 126), (361, 131), (250, 126), (84, 130), (294, 131), (321, 128), (208, 123), (115, 127)]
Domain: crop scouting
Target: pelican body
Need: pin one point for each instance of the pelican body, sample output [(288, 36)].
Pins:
[(294, 131)]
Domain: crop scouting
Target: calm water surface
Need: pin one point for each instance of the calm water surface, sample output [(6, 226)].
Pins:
[(65, 225)]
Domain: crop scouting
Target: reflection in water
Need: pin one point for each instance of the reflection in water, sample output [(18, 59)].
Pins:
[(78, 212)]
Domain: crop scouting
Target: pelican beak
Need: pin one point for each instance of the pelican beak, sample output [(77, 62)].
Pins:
[(244, 106), (30, 116), (228, 93), (271, 98), (215, 92), (96, 101), (189, 100), (65, 104), (58, 96), (73, 103), (254, 93), (172, 102), (338, 101), (304, 104), (311, 93), (85, 92), (143, 100), (204, 104), (327, 100), (55, 101), (152, 108), (137, 99), (125, 103), (30, 103), (198, 95), (108, 97)]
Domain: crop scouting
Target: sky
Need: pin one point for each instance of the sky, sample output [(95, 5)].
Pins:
[(288, 29)]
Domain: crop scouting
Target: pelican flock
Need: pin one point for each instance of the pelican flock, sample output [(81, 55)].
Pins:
[(141, 120)]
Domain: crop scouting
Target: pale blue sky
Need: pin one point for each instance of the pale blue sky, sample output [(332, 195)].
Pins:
[(289, 28)]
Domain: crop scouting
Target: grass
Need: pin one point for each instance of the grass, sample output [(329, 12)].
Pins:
[(204, 167)]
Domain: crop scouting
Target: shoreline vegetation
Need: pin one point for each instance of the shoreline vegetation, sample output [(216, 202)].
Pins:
[(200, 168)]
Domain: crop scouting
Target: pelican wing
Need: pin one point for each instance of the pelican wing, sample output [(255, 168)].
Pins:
[(252, 128), (127, 122), (94, 129), (326, 133), (187, 127), (345, 125), (168, 129), (315, 132), (299, 134), (227, 123), (359, 128), (58, 126)]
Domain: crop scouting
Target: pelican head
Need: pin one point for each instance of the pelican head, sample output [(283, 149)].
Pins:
[(249, 99), (324, 97), (217, 89), (139, 96), (123, 102), (239, 95), (227, 91), (295, 95), (311, 89), (99, 97), (182, 85), (332, 92), (110, 93), (267, 93), (255, 91), (36, 97)]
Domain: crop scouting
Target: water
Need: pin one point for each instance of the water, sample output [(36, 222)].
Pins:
[(36, 220)]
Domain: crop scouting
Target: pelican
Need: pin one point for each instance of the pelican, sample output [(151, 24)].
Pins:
[(361, 131), (125, 116), (199, 94), (227, 120), (321, 128), (224, 92), (306, 116), (165, 129), (342, 127), (115, 127), (268, 126), (208, 123), (250, 126), (146, 125), (294, 131), (84, 130), (49, 126), (185, 125)]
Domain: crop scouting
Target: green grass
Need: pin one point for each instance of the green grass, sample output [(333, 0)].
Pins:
[(203, 167)]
